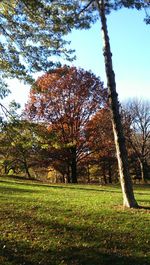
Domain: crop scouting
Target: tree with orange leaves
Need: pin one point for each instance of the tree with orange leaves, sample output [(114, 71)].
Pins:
[(101, 143), (66, 99)]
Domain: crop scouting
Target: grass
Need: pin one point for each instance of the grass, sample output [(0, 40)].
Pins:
[(72, 225)]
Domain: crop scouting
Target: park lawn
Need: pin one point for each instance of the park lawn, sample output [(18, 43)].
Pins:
[(71, 225)]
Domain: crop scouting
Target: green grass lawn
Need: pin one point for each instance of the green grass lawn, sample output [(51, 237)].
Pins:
[(72, 225)]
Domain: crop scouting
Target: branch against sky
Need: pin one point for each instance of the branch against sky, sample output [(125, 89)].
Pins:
[(32, 32)]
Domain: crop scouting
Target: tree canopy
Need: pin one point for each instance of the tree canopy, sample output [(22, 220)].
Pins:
[(32, 32), (66, 99)]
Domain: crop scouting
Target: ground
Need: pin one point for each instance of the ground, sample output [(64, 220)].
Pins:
[(72, 225)]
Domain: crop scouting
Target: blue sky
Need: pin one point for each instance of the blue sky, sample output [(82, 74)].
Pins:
[(130, 44)]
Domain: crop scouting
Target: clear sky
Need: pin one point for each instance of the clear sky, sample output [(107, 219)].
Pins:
[(130, 44)]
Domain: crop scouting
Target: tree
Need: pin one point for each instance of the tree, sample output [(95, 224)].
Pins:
[(32, 34), (66, 99), (16, 146), (80, 14), (128, 195), (104, 7), (138, 116), (101, 143), (23, 146)]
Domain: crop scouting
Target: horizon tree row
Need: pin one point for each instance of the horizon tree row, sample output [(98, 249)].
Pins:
[(67, 125)]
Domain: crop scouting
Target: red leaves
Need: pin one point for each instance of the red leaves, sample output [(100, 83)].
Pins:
[(67, 99), (100, 133), (66, 94)]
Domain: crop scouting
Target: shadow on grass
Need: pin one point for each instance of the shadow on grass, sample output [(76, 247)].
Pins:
[(58, 186), (17, 189), (85, 189), (38, 183), (19, 253), (55, 242), (144, 207), (12, 190), (47, 240)]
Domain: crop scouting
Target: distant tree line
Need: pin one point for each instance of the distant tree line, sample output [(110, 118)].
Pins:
[(65, 133)]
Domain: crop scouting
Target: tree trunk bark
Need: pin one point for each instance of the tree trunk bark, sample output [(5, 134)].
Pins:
[(68, 174), (125, 180), (27, 170), (104, 172), (109, 172), (5, 169), (73, 165), (88, 174), (143, 171)]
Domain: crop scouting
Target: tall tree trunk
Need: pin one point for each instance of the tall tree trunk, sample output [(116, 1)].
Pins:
[(109, 171), (88, 174), (67, 178), (27, 170), (73, 165), (143, 170), (68, 174), (5, 169), (104, 171), (125, 180)]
